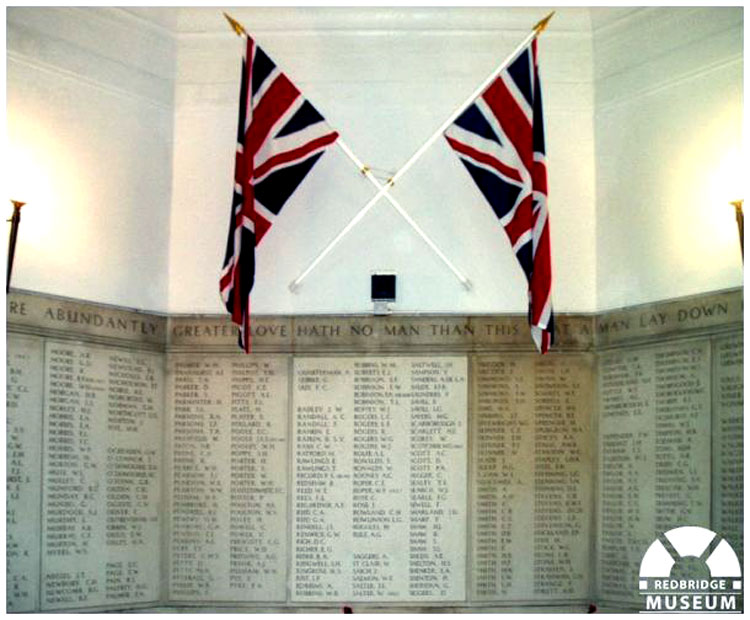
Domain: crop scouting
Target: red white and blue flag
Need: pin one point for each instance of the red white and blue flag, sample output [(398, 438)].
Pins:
[(500, 140), (280, 137)]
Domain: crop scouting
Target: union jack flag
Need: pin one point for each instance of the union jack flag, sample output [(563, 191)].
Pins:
[(280, 136), (499, 138)]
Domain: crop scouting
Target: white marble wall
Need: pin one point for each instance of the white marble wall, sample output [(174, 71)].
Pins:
[(668, 125), (386, 78), (89, 105), (128, 120), (121, 127)]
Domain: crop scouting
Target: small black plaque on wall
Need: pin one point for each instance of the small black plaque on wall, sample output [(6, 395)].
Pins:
[(383, 287)]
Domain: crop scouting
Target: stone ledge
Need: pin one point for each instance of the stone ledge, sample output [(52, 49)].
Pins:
[(55, 317)]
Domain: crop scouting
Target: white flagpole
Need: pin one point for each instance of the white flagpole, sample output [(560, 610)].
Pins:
[(478, 91), (294, 285), (538, 28), (371, 177)]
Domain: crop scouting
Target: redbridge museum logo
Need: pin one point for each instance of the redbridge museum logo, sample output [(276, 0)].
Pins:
[(690, 569)]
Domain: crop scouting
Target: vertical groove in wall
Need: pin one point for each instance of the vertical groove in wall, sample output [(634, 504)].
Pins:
[(470, 407), (289, 477), (594, 524), (41, 474), (166, 489), (713, 425)]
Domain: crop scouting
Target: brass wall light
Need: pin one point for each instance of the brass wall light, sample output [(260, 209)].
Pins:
[(739, 215), (14, 220)]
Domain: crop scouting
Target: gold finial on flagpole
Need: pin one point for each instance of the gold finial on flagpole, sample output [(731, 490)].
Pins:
[(541, 25), (740, 216), (236, 26), (15, 222)]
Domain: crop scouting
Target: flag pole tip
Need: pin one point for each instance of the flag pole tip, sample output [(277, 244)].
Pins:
[(294, 286), (236, 26), (542, 24), (467, 284)]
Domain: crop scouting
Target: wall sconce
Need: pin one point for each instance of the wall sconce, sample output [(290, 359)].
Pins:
[(740, 216), (14, 220)]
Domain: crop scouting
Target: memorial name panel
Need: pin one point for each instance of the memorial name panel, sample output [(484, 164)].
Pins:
[(727, 485), (654, 454), (370, 506), (379, 479), (101, 476), (228, 453), (531, 471), (23, 400)]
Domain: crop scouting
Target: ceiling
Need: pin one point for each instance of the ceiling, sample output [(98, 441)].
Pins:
[(209, 20)]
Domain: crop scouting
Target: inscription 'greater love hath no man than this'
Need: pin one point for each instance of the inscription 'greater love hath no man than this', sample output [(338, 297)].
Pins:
[(324, 330)]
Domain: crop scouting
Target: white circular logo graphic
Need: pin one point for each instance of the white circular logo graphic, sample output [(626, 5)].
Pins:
[(690, 568), (690, 541)]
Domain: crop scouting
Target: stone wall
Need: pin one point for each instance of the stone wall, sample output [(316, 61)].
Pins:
[(400, 462)]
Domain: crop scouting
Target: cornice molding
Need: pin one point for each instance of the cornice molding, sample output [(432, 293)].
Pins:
[(105, 87)]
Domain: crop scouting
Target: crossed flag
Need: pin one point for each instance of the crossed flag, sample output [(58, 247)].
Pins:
[(498, 134)]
